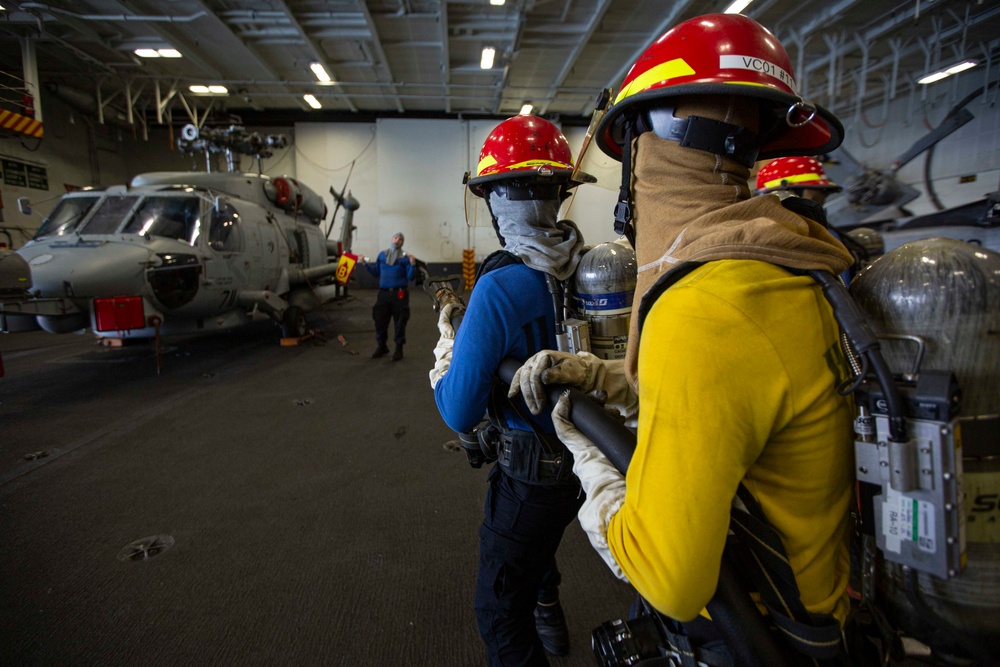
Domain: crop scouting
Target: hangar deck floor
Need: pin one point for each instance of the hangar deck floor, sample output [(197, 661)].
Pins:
[(318, 513)]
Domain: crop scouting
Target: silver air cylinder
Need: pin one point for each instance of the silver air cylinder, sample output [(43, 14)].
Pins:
[(601, 293), (947, 293)]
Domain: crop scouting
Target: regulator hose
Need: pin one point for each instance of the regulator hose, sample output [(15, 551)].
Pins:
[(865, 343)]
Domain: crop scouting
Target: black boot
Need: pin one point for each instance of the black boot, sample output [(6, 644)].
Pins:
[(380, 351), (550, 624), (398, 353)]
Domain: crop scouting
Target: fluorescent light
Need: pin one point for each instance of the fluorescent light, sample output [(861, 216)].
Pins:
[(487, 61), (497, 3), (961, 67), (945, 73), (208, 90), (320, 72), (158, 53), (312, 101), (737, 7), (526, 109)]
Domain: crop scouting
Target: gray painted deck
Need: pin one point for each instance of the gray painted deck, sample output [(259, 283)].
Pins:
[(317, 513)]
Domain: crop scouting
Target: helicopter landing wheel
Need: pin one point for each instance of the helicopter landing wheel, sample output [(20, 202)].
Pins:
[(293, 323)]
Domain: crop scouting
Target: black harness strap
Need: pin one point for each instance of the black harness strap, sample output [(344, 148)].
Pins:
[(665, 282), (498, 398), (497, 260), (814, 635)]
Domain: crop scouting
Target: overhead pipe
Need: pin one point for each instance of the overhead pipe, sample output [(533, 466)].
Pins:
[(113, 17)]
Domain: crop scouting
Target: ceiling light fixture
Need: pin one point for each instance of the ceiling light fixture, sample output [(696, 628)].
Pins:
[(312, 101), (157, 53), (487, 60), (208, 90), (321, 74), (945, 73), (497, 3), (737, 7), (526, 109)]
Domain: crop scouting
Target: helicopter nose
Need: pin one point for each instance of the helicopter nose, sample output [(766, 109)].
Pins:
[(87, 271)]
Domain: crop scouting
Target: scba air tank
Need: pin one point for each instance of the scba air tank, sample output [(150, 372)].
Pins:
[(947, 293), (601, 292)]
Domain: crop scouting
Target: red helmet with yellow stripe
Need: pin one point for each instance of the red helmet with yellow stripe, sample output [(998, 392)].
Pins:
[(724, 54), (526, 148), (792, 173)]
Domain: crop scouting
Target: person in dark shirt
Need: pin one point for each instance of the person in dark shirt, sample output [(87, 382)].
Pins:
[(524, 173), (394, 270)]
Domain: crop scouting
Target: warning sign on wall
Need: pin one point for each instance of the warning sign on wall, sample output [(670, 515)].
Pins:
[(24, 175)]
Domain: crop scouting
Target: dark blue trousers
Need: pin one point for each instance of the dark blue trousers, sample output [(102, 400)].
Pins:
[(391, 303), (521, 530)]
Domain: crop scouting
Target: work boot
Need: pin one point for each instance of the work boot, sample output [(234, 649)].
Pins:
[(550, 624), (398, 353), (380, 351)]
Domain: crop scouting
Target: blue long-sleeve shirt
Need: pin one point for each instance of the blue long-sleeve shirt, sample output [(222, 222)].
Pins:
[(392, 275), (509, 314)]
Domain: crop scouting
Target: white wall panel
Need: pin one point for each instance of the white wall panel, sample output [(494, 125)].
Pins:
[(420, 167), (323, 157)]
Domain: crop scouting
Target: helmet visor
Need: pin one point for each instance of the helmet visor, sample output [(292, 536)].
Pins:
[(477, 213)]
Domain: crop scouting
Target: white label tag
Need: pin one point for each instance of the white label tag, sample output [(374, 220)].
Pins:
[(757, 65), (907, 519)]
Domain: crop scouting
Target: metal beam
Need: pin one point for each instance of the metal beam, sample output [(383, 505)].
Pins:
[(380, 52), (574, 55)]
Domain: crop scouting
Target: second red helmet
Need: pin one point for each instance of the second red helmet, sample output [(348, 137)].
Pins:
[(789, 173), (524, 147)]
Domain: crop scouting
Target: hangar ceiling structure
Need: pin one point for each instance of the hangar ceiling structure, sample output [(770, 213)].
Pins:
[(422, 58)]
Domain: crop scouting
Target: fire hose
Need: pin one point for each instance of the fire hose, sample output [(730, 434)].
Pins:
[(732, 609)]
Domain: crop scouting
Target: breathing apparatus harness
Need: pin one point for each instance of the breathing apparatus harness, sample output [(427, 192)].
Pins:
[(895, 413), (534, 457)]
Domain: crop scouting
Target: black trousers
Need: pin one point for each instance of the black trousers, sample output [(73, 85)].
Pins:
[(517, 567), (391, 303)]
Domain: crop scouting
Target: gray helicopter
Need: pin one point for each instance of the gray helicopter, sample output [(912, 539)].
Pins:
[(182, 252), (875, 198)]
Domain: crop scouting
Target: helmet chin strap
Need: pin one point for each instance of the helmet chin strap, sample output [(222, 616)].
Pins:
[(705, 134), (623, 209)]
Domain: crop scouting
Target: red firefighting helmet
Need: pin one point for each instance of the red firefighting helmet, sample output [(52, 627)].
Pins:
[(525, 148), (725, 54), (791, 173)]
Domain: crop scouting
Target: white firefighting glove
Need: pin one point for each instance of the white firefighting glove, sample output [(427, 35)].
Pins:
[(442, 351), (601, 481), (583, 371)]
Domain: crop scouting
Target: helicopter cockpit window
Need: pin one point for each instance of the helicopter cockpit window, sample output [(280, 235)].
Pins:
[(169, 217), (110, 215), (224, 235), (66, 216)]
